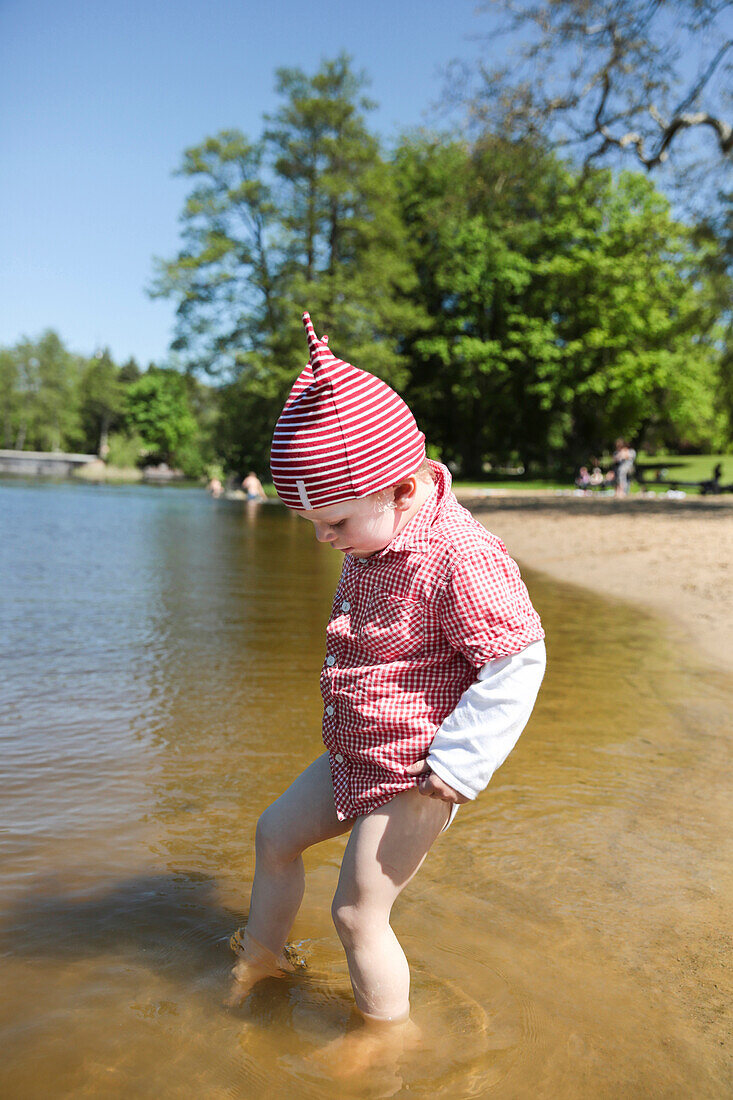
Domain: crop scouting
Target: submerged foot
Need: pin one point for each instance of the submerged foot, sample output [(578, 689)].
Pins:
[(370, 1045)]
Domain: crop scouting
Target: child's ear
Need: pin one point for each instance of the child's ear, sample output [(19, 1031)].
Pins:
[(404, 494)]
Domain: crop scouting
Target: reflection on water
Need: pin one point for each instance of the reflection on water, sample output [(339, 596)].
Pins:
[(160, 656)]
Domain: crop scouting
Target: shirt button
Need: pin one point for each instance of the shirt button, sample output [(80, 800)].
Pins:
[(329, 709), (338, 758), (330, 660), (345, 606)]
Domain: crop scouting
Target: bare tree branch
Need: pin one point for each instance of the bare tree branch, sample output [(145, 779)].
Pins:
[(628, 61)]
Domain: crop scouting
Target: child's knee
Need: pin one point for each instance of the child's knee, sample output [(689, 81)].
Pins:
[(271, 843), (355, 921), (347, 920)]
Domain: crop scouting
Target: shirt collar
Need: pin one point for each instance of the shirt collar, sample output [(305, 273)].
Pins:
[(416, 534)]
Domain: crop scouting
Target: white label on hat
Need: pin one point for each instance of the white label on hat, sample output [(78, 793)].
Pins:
[(300, 486)]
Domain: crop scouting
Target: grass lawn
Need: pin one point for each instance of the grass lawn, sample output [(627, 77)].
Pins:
[(688, 467), (678, 468), (682, 469)]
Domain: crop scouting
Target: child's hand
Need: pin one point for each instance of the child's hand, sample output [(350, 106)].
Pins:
[(432, 785)]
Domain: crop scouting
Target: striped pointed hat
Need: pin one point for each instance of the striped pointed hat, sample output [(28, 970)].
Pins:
[(342, 434)]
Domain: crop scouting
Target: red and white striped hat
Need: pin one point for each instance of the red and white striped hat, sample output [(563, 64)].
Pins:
[(342, 434)]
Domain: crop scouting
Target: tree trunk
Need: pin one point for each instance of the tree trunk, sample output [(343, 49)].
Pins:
[(333, 237), (311, 230), (103, 449)]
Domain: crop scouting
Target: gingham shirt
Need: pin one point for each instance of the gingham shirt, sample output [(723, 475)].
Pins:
[(410, 627)]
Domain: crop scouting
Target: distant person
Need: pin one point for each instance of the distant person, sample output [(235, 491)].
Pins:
[(596, 474), (434, 657), (252, 487), (713, 486), (215, 487), (582, 481), (623, 465)]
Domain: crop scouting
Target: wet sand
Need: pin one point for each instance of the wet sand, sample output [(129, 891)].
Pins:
[(669, 557)]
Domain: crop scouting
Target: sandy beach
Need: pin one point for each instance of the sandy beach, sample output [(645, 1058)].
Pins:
[(672, 557)]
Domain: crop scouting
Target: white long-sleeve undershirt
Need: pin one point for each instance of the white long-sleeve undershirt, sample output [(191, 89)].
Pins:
[(476, 738)]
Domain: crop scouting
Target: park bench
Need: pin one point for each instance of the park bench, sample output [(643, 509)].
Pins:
[(706, 488)]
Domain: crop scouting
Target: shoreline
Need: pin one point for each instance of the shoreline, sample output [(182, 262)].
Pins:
[(670, 557)]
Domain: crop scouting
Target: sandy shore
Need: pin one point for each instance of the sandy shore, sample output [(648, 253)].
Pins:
[(673, 557)]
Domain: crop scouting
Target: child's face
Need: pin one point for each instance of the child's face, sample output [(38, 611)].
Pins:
[(360, 527)]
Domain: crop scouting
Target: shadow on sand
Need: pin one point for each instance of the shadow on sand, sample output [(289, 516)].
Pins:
[(594, 505)]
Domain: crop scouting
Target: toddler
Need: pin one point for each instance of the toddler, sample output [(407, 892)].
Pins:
[(434, 657)]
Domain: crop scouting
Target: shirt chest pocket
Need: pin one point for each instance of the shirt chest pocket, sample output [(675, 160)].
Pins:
[(393, 627)]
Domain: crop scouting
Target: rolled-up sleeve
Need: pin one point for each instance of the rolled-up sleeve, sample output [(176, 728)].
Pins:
[(476, 738)]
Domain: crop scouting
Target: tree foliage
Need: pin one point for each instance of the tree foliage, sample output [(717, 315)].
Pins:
[(303, 217), (53, 400), (102, 401), (562, 312), (158, 410), (9, 396), (530, 310), (39, 386)]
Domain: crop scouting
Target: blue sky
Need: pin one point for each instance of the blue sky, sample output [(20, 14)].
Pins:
[(98, 98)]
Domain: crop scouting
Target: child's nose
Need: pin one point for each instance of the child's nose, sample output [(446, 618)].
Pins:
[(325, 534)]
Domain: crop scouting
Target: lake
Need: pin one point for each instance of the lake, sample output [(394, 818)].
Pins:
[(159, 659)]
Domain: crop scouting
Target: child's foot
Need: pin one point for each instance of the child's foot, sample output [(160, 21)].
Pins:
[(373, 1044), (256, 962)]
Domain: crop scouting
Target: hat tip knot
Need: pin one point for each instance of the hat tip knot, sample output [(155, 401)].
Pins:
[(313, 342)]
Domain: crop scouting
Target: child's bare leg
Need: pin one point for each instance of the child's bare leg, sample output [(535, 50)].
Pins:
[(302, 816), (385, 850)]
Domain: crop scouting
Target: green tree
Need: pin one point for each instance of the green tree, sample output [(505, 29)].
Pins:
[(129, 371), (244, 427), (48, 395), (562, 312), (344, 239), (305, 217), (201, 452), (9, 396), (102, 402), (228, 310), (474, 215), (157, 408), (619, 83), (635, 320)]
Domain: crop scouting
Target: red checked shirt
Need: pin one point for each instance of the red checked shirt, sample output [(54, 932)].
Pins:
[(410, 627)]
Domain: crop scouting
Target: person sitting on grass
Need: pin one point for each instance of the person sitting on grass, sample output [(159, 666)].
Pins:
[(582, 481)]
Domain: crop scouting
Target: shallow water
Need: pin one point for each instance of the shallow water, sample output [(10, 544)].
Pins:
[(160, 655)]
